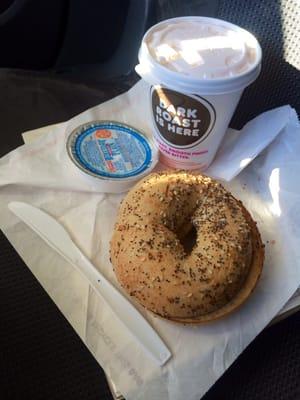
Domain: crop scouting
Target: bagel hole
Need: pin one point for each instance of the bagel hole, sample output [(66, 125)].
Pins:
[(189, 240)]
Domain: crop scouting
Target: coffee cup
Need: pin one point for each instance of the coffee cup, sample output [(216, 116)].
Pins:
[(197, 69)]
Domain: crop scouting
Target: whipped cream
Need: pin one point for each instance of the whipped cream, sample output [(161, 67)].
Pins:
[(202, 49)]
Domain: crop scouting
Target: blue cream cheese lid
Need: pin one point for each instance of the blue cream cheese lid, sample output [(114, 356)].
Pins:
[(112, 152)]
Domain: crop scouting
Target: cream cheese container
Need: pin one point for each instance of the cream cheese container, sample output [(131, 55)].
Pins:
[(110, 154)]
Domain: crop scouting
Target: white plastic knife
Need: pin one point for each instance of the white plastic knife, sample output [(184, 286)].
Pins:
[(58, 238)]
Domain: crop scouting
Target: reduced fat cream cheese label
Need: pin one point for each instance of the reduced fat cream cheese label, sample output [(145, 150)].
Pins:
[(182, 121)]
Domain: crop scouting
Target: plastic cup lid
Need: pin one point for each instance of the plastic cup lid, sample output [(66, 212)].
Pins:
[(112, 154), (229, 57)]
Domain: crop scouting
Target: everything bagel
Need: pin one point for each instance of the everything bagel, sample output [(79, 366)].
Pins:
[(153, 264)]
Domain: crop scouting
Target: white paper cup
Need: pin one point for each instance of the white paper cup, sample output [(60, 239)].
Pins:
[(192, 106)]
